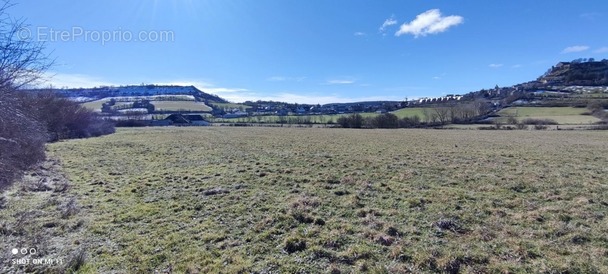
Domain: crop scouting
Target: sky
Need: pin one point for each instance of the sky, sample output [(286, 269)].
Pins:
[(312, 51)]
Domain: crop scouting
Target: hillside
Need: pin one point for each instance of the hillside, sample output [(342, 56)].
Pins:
[(579, 72), (92, 94)]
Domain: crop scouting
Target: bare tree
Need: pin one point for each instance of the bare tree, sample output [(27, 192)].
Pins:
[(22, 62), (442, 114), (429, 115)]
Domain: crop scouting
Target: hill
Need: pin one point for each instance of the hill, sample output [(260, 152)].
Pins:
[(92, 94), (579, 72)]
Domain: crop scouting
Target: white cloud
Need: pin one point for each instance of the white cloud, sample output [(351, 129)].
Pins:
[(358, 33), (205, 87), (62, 80), (495, 65), (312, 98), (340, 82), (436, 78), (387, 23), (601, 50), (429, 22), (276, 79), (575, 49), (591, 15), (237, 95), (284, 78), (517, 66)]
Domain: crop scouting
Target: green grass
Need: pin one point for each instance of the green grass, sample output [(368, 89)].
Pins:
[(317, 200), (409, 112), (562, 115), (95, 105), (320, 119), (229, 105), (317, 119), (180, 105)]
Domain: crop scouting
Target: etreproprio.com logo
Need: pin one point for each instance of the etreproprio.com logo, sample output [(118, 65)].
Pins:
[(103, 37)]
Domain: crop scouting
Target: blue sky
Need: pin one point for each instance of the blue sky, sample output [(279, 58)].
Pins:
[(313, 51)]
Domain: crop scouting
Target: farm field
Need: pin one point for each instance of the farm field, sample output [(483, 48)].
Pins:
[(180, 105), (229, 106), (95, 105), (562, 115), (409, 112), (289, 200), (178, 102), (321, 119)]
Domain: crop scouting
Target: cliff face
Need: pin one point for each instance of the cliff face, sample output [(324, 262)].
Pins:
[(577, 73)]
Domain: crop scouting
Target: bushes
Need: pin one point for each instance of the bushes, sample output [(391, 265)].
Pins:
[(532, 121), (64, 119), (352, 121), (22, 139), (28, 120), (386, 120)]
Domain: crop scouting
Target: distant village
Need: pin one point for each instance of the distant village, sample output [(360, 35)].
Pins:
[(139, 102)]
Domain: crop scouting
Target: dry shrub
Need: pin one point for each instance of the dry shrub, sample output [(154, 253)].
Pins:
[(22, 140)]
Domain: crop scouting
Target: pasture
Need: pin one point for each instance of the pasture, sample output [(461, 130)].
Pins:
[(562, 115), (319, 119), (180, 106), (262, 200)]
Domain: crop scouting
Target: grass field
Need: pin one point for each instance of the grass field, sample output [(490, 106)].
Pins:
[(562, 115), (189, 105), (180, 105), (229, 106), (318, 200), (95, 105), (409, 112), (321, 119)]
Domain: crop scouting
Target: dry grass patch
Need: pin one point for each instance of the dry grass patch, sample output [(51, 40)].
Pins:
[(318, 200)]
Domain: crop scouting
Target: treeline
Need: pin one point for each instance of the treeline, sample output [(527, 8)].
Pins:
[(463, 113), (29, 120), (386, 120)]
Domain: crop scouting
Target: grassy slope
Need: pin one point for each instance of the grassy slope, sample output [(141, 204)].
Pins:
[(229, 105), (164, 105), (180, 105), (95, 105), (562, 115), (409, 112), (382, 200)]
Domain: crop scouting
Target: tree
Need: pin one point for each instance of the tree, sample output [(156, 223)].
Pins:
[(22, 60), (443, 115), (22, 63), (429, 115)]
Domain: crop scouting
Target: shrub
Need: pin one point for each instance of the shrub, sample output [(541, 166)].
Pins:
[(64, 119), (28, 120), (386, 120), (521, 126), (533, 121), (351, 121), (512, 120), (540, 127), (409, 122), (22, 139)]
